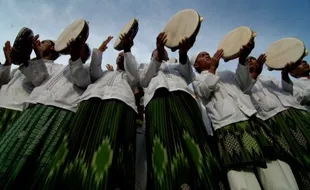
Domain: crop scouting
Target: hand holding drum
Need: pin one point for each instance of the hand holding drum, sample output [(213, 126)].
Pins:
[(22, 47), (7, 53), (77, 31), (127, 35), (104, 45)]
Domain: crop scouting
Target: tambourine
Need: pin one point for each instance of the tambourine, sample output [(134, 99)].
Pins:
[(185, 23), (78, 29), (234, 41), (285, 51), (22, 45), (131, 28)]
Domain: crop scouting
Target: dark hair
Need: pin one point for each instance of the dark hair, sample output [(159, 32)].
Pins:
[(55, 54)]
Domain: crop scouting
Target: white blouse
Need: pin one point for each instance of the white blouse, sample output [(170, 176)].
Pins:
[(16, 87), (300, 89), (269, 98), (225, 95), (172, 76), (114, 84), (64, 84)]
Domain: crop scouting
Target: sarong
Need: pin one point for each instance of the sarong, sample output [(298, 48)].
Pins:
[(288, 134), (178, 154), (28, 145), (239, 147), (7, 118), (99, 150)]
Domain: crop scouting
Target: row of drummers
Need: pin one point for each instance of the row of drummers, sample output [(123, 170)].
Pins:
[(74, 126)]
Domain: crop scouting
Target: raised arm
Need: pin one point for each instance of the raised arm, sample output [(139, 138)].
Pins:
[(146, 74), (131, 68), (205, 83), (35, 70), (95, 67), (186, 70), (185, 67), (96, 60), (80, 75), (243, 75), (244, 79), (5, 68), (300, 89)]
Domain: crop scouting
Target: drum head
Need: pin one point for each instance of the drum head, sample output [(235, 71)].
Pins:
[(131, 26), (72, 31), (181, 25), (234, 40), (284, 51)]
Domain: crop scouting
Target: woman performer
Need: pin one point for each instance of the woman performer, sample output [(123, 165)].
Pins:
[(99, 150), (230, 111), (300, 88), (280, 121), (177, 153), (26, 149), (15, 87)]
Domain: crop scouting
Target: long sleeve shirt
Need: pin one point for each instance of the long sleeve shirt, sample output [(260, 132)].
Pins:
[(225, 95), (172, 76), (270, 99), (115, 84), (19, 84)]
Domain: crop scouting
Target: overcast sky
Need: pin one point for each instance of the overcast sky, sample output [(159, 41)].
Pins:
[(271, 19)]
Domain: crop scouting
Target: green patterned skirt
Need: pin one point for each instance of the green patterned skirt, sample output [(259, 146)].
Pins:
[(238, 145), (287, 137), (302, 177), (99, 150), (177, 149), (7, 118), (28, 145)]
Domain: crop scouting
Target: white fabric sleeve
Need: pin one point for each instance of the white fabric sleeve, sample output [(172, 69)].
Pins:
[(146, 75), (131, 69), (205, 83), (299, 89), (79, 73), (186, 71), (244, 78), (95, 65)]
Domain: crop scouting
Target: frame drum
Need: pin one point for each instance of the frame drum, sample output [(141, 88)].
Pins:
[(185, 23), (234, 40), (78, 29), (22, 45), (285, 51), (131, 27)]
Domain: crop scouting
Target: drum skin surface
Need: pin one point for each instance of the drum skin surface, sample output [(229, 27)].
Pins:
[(234, 40), (284, 51), (181, 25), (78, 28)]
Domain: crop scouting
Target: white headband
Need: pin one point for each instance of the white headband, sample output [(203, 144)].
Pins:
[(194, 58)]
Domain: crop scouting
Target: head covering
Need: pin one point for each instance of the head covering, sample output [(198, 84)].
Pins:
[(251, 57), (194, 58)]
